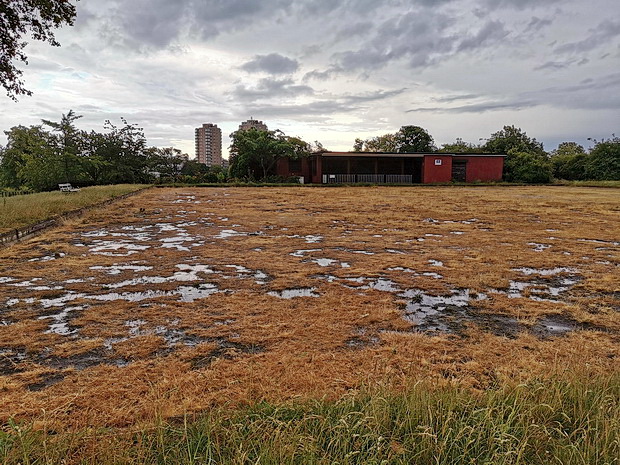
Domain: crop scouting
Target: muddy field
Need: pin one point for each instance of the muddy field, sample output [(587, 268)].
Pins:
[(178, 299)]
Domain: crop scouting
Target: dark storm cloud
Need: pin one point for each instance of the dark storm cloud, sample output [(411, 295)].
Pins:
[(604, 33), (273, 63)]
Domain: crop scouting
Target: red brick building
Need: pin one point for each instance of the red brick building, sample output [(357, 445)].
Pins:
[(393, 168)]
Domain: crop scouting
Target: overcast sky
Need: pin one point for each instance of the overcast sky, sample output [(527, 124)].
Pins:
[(332, 70)]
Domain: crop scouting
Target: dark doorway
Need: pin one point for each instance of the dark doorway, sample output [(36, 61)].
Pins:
[(459, 171)]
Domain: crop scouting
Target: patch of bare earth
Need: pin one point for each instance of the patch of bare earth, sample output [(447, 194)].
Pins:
[(178, 299)]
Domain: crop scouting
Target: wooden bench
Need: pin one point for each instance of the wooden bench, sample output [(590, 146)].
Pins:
[(67, 187)]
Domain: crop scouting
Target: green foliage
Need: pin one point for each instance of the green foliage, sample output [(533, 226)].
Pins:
[(384, 143), (408, 139), (460, 146), (528, 168), (20, 18), (604, 160), (512, 139), (569, 161), (526, 159), (40, 159), (254, 153), (414, 139)]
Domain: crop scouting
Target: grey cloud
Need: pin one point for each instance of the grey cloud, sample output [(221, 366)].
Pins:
[(491, 32), (455, 98), (605, 32), (557, 65), (273, 63), (517, 4), (327, 106), (592, 94), (271, 88), (322, 75), (419, 38), (536, 24), (479, 107)]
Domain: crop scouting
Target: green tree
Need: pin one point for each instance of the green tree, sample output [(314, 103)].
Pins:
[(527, 167), (408, 139), (384, 143), (94, 162), (460, 146), (254, 153), (167, 161), (414, 139), (569, 161), (514, 142), (512, 139), (126, 153), (29, 159), (18, 18), (67, 144), (604, 160)]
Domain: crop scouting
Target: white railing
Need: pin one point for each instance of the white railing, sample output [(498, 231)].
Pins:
[(368, 178)]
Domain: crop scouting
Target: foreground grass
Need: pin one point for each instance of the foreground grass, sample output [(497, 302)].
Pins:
[(574, 421), (19, 211)]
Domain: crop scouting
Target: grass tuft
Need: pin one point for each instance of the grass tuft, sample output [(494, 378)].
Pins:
[(564, 421)]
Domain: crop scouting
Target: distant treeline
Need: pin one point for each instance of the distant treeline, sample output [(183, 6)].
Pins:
[(526, 160), (40, 157)]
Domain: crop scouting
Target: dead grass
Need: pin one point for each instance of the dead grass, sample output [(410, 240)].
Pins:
[(242, 345)]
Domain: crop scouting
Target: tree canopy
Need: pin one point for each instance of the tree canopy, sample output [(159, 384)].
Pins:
[(18, 18), (408, 139), (254, 153), (40, 157)]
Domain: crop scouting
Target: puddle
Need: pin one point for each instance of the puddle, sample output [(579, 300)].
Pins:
[(430, 274), (118, 269), (545, 272), (228, 233), (114, 248), (396, 251), (259, 276), (599, 241), (539, 247), (187, 273), (227, 350), (10, 359), (48, 258), (440, 313), (294, 293), (545, 285), (560, 325), (457, 233), (436, 263), (300, 253), (185, 293), (60, 323)]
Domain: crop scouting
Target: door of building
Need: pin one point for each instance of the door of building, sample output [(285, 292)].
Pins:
[(459, 171)]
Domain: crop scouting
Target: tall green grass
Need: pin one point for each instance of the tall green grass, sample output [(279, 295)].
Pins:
[(540, 422), (20, 211)]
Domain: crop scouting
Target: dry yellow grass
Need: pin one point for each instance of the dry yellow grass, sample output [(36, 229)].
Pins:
[(125, 362)]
